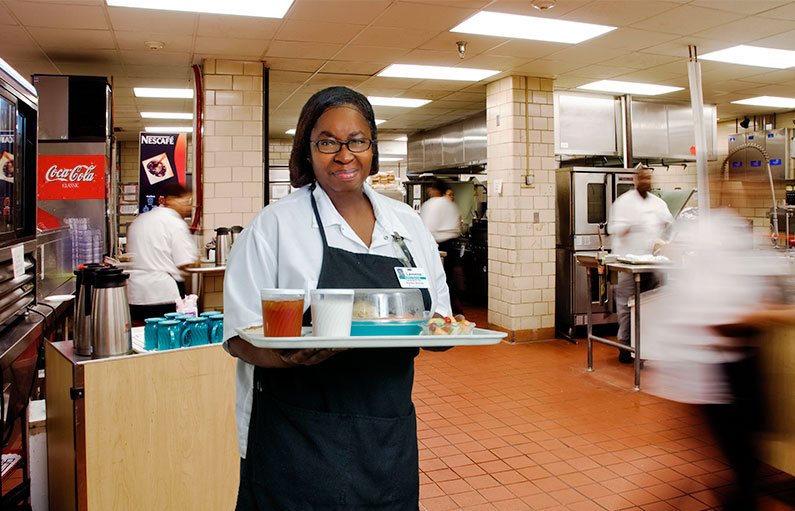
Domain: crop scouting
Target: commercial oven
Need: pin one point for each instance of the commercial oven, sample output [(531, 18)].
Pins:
[(584, 197)]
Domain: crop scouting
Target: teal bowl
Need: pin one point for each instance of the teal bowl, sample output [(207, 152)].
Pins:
[(383, 328)]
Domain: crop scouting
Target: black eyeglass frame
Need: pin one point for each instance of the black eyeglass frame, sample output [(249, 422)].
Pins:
[(341, 143)]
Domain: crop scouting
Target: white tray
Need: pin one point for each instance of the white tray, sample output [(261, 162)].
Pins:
[(478, 337)]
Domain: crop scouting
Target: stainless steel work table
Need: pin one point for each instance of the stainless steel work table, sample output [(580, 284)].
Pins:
[(197, 274), (591, 261)]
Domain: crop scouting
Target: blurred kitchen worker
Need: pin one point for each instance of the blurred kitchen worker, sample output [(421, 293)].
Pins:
[(440, 215), (638, 223), (161, 247), (699, 340)]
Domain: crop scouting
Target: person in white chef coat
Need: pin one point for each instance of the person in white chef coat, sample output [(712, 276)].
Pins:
[(161, 247), (321, 428), (639, 223), (440, 215)]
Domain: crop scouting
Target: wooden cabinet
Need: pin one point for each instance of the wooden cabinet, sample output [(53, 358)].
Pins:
[(150, 431)]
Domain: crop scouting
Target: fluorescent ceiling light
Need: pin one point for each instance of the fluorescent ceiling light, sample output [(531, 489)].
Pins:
[(465, 74), (528, 27), (404, 138), (753, 56), (389, 158), (644, 89), (771, 101), (379, 121), (402, 102), (254, 8), (147, 92), (167, 115), (168, 129), (291, 131), (18, 77)]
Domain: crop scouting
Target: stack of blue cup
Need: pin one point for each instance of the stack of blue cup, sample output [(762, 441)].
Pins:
[(216, 325), (177, 330)]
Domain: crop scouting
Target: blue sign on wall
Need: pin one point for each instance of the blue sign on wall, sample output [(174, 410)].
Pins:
[(737, 164), (777, 161), (756, 163)]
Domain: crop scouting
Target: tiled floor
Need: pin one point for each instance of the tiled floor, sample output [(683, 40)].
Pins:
[(515, 427)]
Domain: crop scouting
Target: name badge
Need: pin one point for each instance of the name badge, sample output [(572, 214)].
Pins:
[(411, 277)]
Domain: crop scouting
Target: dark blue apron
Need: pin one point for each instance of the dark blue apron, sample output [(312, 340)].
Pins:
[(341, 434)]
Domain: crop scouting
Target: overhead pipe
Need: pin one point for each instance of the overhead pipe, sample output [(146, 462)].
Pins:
[(197, 157), (697, 106)]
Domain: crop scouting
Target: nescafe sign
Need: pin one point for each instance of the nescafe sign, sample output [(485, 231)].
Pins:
[(71, 177)]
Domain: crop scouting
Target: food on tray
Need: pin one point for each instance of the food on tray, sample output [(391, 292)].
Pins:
[(387, 305), (457, 325)]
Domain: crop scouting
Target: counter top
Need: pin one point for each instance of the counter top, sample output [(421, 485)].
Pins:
[(28, 329), (206, 268)]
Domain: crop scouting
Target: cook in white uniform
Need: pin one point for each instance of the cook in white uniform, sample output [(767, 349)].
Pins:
[(161, 246), (441, 217), (638, 223)]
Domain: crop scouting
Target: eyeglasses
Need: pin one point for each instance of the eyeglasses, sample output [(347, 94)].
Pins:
[(354, 145)]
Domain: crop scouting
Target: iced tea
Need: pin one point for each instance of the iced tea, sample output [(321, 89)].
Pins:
[(282, 312)]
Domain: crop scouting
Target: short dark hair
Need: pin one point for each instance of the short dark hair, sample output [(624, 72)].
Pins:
[(174, 190), (301, 172), (441, 186)]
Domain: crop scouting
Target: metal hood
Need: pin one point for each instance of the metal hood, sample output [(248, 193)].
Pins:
[(456, 147)]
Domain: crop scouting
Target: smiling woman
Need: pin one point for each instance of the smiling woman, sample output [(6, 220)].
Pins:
[(328, 429)]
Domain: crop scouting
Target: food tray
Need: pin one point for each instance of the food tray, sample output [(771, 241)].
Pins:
[(643, 261), (478, 337)]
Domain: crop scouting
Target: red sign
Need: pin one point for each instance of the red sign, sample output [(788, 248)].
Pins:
[(71, 177)]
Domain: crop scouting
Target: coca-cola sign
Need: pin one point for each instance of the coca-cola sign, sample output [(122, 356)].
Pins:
[(74, 175), (71, 177)]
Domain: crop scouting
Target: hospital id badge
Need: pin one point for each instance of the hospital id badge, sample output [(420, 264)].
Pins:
[(411, 277)]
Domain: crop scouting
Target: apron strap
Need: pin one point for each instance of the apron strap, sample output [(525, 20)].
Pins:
[(317, 214)]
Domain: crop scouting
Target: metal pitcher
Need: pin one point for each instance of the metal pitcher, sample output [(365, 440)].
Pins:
[(82, 320), (110, 319), (223, 244)]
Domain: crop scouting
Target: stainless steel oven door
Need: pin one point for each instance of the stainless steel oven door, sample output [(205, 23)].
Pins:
[(591, 197)]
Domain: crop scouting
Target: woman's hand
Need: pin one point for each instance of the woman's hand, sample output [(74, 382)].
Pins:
[(307, 356)]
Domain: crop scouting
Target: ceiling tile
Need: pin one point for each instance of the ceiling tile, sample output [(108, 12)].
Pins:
[(242, 27), (600, 72), (784, 76), (306, 65), (649, 76), (431, 58), (687, 20), (526, 49), (161, 58), (170, 76), (292, 77), (641, 60), (785, 41), (323, 80), (357, 68), (317, 32), (6, 19), (587, 54), (523, 7), (230, 46), (741, 6), (148, 20), (678, 47), (749, 29), (548, 68), (785, 12), (34, 14), (475, 44), (135, 41), (59, 38), (352, 11), (617, 13), (498, 62), (631, 39), (423, 16), (289, 49), (371, 54), (13, 35), (394, 37)]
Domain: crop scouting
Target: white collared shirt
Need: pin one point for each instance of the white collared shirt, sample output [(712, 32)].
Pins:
[(646, 219), (159, 242), (441, 216), (281, 248)]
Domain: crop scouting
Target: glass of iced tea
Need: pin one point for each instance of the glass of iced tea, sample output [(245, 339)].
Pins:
[(282, 312)]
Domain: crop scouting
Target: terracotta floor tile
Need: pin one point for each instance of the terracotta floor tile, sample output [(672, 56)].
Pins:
[(557, 438)]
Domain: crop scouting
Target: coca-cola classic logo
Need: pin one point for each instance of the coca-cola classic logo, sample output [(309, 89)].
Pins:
[(78, 173)]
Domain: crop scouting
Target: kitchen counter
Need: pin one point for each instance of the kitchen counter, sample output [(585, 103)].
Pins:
[(777, 355)]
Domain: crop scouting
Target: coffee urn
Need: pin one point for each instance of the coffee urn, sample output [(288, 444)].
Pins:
[(223, 243), (82, 320), (110, 314)]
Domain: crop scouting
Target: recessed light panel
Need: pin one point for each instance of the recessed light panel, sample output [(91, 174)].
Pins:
[(168, 129), (401, 102), (404, 138), (529, 27), (465, 74), (379, 121), (254, 8), (147, 92), (389, 158), (291, 131), (643, 89), (166, 115), (753, 56), (771, 101)]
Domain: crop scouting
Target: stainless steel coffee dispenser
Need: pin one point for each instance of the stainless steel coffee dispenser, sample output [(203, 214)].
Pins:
[(110, 314), (223, 243), (82, 320)]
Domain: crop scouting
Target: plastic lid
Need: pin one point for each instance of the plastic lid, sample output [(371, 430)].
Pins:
[(346, 292), (236, 228), (280, 293), (222, 230)]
